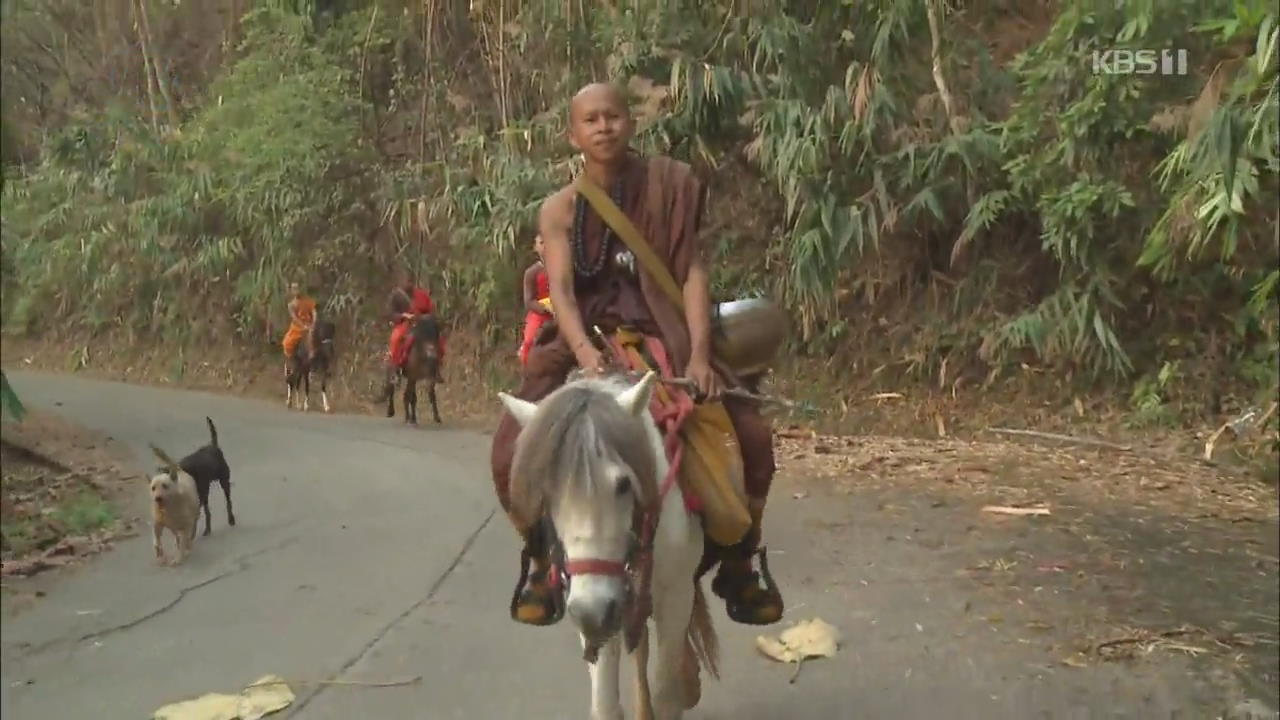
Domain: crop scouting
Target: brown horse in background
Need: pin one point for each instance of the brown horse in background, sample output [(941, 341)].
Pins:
[(423, 364), (315, 354)]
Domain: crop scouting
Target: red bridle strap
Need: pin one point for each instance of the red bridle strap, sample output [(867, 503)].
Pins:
[(594, 566)]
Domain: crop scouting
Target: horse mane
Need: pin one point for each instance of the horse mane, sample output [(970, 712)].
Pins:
[(426, 328), (575, 429), (324, 330)]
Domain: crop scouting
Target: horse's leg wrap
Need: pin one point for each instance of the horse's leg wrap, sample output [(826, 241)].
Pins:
[(388, 384), (751, 598), (535, 601), (440, 362)]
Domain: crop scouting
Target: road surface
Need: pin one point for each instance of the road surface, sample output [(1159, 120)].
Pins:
[(369, 551)]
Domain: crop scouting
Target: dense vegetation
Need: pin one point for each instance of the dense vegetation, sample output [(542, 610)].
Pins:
[(942, 185)]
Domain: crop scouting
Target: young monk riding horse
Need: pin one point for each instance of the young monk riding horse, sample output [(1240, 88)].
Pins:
[(590, 461), (423, 364), (314, 355)]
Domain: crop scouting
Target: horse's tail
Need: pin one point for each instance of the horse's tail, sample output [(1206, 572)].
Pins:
[(213, 431), (701, 640)]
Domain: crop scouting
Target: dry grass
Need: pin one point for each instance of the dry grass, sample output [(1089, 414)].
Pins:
[(1023, 474)]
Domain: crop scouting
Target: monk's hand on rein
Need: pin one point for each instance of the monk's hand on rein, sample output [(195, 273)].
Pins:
[(590, 359), (705, 383)]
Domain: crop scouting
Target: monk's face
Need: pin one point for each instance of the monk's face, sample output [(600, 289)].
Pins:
[(295, 290), (537, 245), (600, 124)]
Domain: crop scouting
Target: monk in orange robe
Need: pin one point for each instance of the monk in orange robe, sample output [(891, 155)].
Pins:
[(302, 316)]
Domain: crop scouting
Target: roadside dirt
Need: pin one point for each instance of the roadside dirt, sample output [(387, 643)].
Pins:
[(1137, 558), (66, 494)]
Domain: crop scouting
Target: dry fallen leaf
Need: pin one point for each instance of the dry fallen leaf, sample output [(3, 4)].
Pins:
[(1075, 661), (266, 695), (213, 706), (1004, 510), (806, 639)]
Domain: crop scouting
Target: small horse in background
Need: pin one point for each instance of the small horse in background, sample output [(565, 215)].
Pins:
[(422, 364), (590, 461), (315, 354)]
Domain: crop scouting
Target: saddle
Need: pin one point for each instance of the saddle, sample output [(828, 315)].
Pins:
[(710, 472)]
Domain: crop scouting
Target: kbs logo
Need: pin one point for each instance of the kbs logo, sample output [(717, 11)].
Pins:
[(1140, 62)]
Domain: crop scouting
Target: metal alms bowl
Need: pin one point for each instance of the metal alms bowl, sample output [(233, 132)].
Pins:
[(747, 334)]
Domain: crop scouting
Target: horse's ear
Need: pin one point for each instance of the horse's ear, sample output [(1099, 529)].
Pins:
[(521, 410), (635, 399)]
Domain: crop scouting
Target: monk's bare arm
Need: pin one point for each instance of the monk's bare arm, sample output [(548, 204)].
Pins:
[(293, 313), (554, 222), (697, 293), (531, 289), (697, 309)]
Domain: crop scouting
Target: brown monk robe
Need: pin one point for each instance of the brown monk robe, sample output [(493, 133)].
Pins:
[(596, 282)]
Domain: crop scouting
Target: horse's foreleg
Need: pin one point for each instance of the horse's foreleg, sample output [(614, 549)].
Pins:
[(605, 703), (644, 698), (672, 611), (435, 408), (324, 391), (306, 390), (411, 402), (391, 398)]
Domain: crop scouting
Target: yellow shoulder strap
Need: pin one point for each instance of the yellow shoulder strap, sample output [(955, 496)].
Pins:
[(622, 225)]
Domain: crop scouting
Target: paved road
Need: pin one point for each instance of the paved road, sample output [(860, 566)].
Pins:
[(371, 551)]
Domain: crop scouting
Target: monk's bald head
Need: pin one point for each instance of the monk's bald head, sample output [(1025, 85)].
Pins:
[(600, 123), (596, 95)]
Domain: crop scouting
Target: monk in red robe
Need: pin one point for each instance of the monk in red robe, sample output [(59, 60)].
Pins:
[(406, 301), (537, 293), (595, 281)]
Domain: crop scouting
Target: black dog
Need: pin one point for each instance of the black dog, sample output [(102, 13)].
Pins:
[(206, 465)]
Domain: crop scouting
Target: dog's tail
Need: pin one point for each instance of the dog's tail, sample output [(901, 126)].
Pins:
[(170, 465), (213, 431)]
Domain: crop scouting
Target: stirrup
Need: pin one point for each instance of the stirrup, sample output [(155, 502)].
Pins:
[(534, 601), (745, 601)]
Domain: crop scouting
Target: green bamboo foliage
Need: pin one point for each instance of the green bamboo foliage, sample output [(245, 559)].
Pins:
[(9, 403)]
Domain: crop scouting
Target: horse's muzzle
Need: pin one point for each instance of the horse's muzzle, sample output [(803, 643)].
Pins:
[(597, 618)]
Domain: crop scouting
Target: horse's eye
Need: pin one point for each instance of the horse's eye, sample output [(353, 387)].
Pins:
[(624, 486)]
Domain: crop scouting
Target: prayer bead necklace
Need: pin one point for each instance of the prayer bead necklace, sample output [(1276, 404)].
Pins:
[(581, 266)]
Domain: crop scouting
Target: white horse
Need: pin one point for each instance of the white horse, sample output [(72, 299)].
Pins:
[(590, 459)]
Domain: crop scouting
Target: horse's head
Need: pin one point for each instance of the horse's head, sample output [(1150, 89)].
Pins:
[(323, 332), (587, 459)]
